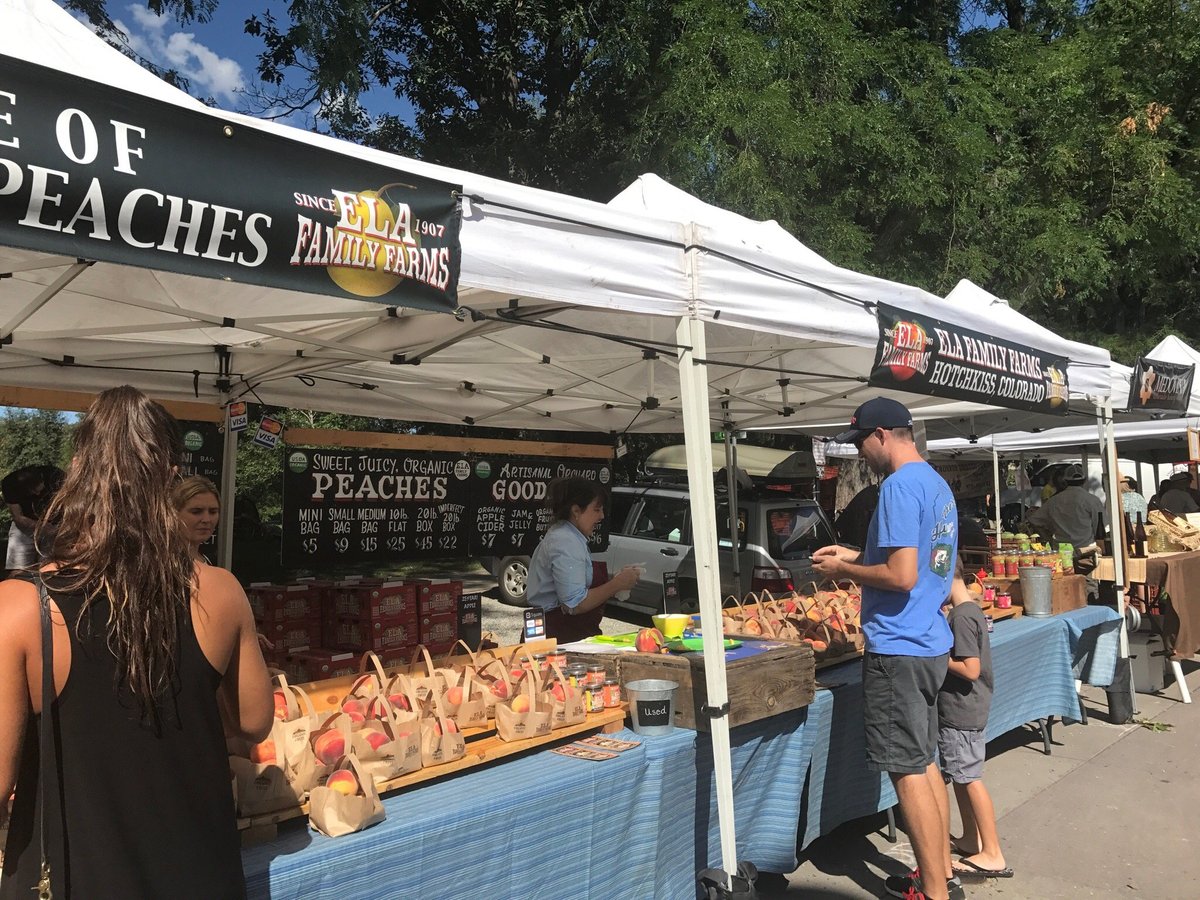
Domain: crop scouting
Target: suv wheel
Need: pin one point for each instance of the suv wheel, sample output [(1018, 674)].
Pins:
[(513, 576)]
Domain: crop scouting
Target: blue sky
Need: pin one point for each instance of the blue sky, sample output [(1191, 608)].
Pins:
[(217, 57)]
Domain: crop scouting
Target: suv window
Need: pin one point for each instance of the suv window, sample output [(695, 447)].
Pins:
[(795, 531), (661, 519), (723, 524), (617, 514)]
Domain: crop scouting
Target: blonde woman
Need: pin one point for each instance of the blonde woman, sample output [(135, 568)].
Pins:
[(199, 507)]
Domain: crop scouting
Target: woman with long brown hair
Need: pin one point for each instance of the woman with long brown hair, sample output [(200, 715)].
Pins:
[(136, 797)]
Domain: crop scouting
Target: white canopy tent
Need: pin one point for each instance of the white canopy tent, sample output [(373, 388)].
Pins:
[(641, 315)]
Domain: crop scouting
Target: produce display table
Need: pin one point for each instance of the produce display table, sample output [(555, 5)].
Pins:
[(1179, 575), (1067, 592), (643, 824)]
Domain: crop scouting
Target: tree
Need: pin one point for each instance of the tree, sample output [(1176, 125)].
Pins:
[(30, 437)]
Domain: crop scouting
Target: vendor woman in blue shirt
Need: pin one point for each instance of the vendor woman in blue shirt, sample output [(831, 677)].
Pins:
[(560, 573)]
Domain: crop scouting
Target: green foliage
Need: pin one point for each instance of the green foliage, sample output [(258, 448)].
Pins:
[(30, 437)]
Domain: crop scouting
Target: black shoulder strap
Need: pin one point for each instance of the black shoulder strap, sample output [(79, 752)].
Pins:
[(45, 730)]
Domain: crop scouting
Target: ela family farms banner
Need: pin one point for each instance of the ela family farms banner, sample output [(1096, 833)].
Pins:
[(93, 172), (1160, 385), (927, 356)]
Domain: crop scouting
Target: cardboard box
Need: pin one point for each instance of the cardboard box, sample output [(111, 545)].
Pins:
[(438, 598), (439, 631), (272, 603), (319, 663), (357, 635), (292, 634), (386, 601), (763, 685)]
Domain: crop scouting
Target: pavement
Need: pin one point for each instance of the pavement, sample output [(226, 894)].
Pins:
[(1114, 811)]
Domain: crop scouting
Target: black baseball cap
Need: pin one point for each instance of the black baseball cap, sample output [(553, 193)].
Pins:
[(882, 412)]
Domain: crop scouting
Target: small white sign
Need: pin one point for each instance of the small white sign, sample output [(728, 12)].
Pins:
[(268, 432), (239, 419)]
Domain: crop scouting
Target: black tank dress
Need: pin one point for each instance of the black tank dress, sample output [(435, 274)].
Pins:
[(133, 811)]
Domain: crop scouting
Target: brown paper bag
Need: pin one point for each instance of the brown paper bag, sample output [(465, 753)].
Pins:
[(514, 725), (496, 682), (334, 814), (441, 740), (292, 737), (471, 710), (263, 787), (565, 700), (428, 680), (389, 747)]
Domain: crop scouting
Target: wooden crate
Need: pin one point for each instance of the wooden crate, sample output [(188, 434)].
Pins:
[(1067, 592), (763, 685)]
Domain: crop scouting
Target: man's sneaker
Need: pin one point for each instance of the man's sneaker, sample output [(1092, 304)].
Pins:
[(902, 886), (908, 887)]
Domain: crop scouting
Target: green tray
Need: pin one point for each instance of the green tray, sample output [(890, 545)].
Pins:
[(694, 644), (628, 638)]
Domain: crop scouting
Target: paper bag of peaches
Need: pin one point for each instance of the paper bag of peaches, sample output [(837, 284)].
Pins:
[(278, 772), (347, 801), (564, 699), (527, 714)]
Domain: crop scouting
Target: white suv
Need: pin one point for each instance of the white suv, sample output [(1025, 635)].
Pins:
[(651, 526)]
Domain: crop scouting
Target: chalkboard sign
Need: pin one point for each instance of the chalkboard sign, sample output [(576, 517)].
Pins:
[(203, 451), (509, 492), (357, 505), (651, 713)]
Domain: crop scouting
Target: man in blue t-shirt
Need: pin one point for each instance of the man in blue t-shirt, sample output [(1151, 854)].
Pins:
[(905, 570)]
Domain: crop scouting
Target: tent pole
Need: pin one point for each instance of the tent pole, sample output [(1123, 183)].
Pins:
[(228, 489), (996, 495), (693, 384), (731, 484), (1112, 490)]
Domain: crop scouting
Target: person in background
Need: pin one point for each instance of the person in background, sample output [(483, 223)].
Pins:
[(1175, 497), (963, 705), (1054, 485), (152, 644), (905, 569), (855, 520), (560, 571), (27, 491), (199, 507), (1072, 515), (1132, 501)]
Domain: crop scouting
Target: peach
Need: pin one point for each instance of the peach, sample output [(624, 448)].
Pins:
[(751, 626), (649, 640), (376, 739), (281, 706), (353, 705), (451, 727), (562, 691), (343, 781), (264, 753), (399, 701), (500, 689), (454, 696), (329, 746), (376, 709), (520, 704)]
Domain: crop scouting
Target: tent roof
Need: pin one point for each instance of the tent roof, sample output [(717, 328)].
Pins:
[(775, 310), (759, 462)]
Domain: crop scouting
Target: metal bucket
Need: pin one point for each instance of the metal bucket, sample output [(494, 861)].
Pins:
[(651, 705), (1036, 590)]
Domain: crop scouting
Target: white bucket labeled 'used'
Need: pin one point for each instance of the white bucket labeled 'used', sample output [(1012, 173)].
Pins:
[(651, 705)]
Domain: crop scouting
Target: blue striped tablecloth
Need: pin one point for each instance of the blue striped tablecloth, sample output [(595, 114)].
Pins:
[(1032, 662), (542, 825), (1094, 633)]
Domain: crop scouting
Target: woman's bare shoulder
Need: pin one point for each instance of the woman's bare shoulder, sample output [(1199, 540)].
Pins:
[(218, 588), (19, 613)]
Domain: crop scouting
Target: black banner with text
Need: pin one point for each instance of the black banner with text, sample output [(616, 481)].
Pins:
[(1160, 385), (928, 356), (90, 171), (361, 505)]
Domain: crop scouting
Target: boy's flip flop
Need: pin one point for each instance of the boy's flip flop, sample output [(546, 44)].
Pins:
[(970, 868)]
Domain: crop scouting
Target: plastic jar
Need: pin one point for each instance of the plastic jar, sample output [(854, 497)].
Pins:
[(612, 693)]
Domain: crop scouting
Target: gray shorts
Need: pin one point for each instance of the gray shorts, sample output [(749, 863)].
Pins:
[(962, 754), (900, 711)]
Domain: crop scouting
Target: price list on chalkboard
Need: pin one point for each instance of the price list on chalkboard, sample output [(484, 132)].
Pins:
[(509, 496), (355, 505)]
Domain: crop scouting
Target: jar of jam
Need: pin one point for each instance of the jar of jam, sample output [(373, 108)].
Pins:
[(612, 693), (576, 674), (1026, 558), (1003, 601), (596, 674), (541, 661), (998, 564), (593, 696), (1010, 566)]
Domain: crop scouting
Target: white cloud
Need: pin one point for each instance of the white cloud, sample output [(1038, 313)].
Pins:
[(158, 40)]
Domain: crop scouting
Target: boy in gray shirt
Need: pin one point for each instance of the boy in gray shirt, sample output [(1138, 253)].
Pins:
[(963, 704)]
